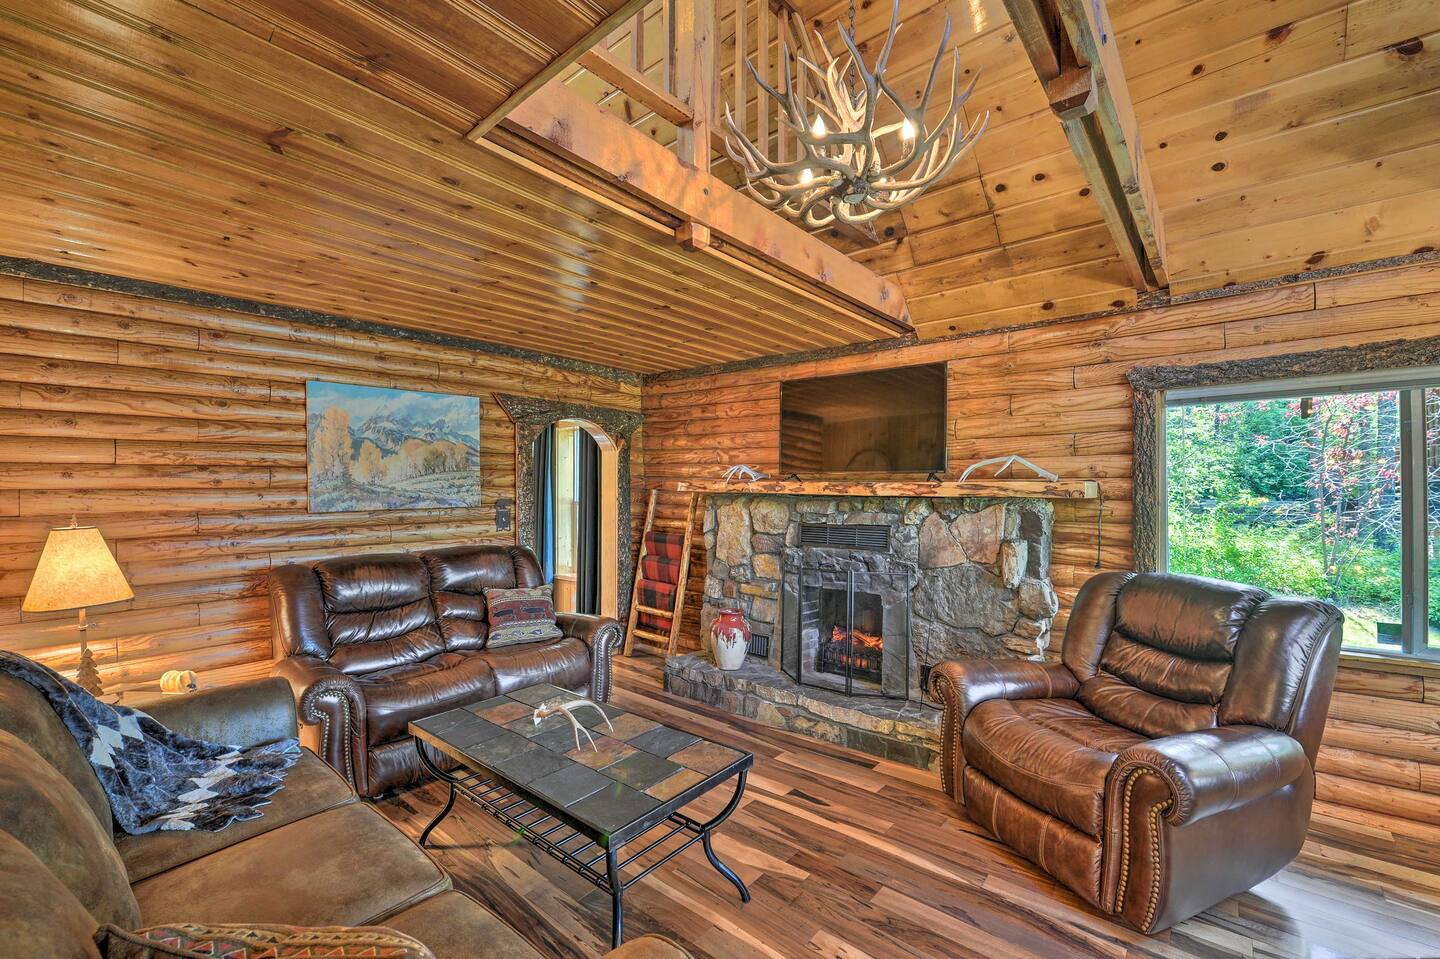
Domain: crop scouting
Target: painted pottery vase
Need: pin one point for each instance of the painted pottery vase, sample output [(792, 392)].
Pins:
[(729, 639)]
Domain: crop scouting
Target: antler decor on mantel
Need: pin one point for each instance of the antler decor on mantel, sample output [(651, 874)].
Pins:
[(841, 172)]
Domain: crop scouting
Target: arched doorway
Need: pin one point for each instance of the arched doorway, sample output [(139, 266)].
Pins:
[(577, 513), (611, 431)]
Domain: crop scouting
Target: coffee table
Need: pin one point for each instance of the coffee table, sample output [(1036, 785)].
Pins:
[(584, 806)]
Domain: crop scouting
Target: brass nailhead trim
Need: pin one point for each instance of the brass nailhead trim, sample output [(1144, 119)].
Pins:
[(325, 731), (1154, 822), (943, 689)]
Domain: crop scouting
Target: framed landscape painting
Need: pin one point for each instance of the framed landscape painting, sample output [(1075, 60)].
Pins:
[(370, 448)]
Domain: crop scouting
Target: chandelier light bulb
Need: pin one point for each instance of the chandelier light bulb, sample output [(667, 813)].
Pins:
[(860, 177)]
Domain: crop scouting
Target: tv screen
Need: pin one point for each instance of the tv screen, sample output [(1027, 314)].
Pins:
[(883, 421)]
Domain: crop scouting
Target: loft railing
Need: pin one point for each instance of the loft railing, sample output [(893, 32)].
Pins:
[(649, 72)]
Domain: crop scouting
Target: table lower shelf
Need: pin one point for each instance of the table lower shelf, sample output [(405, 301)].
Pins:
[(601, 864)]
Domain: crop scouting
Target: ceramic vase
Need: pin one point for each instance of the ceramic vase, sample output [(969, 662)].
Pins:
[(729, 639)]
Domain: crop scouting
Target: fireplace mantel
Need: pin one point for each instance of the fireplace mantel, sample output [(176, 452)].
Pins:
[(1026, 489)]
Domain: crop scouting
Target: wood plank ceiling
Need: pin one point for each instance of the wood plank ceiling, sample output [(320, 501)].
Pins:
[(1281, 136), (1287, 135), (312, 155)]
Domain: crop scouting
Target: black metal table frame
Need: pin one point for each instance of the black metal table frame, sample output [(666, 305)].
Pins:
[(515, 808)]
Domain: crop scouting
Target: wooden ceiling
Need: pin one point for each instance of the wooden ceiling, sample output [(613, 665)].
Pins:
[(1288, 135), (1281, 136), (312, 154)]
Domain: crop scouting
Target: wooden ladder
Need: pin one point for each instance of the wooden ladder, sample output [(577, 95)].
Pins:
[(650, 640)]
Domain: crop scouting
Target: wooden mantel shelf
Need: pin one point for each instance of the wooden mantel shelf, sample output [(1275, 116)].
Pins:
[(1027, 489)]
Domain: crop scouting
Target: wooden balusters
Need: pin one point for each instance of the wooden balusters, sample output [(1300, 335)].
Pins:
[(693, 39)]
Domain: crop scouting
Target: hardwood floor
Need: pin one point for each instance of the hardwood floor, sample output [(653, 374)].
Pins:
[(848, 857)]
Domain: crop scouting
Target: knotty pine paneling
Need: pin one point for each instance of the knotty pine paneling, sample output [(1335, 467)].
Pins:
[(1057, 393), (180, 432)]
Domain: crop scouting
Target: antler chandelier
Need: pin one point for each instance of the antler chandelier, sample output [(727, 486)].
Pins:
[(848, 168)]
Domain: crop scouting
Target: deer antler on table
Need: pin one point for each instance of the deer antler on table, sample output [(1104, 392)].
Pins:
[(546, 710)]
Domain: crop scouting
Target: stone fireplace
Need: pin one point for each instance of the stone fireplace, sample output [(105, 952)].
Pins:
[(855, 598)]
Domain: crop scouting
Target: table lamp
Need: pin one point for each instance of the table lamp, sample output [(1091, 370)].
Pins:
[(77, 570)]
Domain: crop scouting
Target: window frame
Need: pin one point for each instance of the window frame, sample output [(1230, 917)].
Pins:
[(1410, 384)]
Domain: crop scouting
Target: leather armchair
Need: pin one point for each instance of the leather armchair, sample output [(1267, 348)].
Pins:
[(368, 643), (1167, 761)]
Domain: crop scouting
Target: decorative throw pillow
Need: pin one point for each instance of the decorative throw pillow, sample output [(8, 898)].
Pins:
[(524, 615), (193, 941)]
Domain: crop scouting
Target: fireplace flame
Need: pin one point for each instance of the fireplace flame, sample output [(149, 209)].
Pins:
[(859, 638)]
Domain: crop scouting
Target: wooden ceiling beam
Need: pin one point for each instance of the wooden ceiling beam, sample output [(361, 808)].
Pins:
[(1071, 45), (573, 127), (634, 84), (555, 67)]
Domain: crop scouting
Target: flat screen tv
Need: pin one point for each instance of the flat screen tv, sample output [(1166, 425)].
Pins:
[(882, 421)]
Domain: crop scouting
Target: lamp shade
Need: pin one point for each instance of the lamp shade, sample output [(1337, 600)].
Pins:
[(76, 570)]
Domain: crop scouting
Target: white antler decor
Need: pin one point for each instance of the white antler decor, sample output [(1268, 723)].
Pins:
[(841, 171), (546, 710), (1008, 462), (740, 473)]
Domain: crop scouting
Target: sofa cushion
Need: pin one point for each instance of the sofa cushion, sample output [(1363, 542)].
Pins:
[(459, 576), (564, 662), (344, 867), (454, 926), (39, 807), (311, 786), (393, 697), (39, 916), (1166, 664), (378, 611), (1052, 753), (25, 712)]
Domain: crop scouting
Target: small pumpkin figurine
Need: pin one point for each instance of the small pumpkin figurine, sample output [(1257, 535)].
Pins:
[(179, 681)]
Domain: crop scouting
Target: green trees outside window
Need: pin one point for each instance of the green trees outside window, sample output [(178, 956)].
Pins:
[(1306, 495)]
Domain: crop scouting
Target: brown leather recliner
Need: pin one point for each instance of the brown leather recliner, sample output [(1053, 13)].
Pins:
[(1167, 761), (369, 643)]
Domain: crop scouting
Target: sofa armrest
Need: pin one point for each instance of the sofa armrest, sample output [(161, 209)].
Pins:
[(649, 947), (1213, 770), (244, 714), (962, 684), (330, 699), (603, 635)]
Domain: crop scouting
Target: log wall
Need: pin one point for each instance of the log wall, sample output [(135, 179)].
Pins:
[(1057, 393), (180, 432)]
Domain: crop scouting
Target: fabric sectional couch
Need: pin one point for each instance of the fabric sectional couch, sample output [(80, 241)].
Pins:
[(317, 857)]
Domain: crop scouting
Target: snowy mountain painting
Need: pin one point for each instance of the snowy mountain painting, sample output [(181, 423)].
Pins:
[(370, 448)]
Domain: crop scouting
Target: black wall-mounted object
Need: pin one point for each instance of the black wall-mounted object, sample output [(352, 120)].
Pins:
[(876, 422), (504, 513)]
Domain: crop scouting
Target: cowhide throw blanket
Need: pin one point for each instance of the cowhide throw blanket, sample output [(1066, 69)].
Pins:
[(156, 778)]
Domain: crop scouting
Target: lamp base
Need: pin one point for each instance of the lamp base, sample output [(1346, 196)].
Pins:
[(87, 676)]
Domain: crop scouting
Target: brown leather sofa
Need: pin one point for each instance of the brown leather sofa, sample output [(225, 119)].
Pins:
[(1167, 761), (369, 643), (317, 857)]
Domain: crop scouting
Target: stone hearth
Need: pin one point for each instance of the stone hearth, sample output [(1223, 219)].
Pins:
[(901, 731)]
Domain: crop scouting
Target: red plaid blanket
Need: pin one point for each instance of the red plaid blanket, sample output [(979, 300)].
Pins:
[(659, 571), (658, 596)]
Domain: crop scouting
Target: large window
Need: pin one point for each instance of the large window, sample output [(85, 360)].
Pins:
[(1325, 488)]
